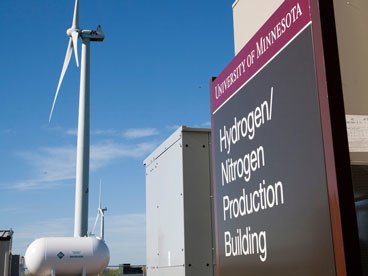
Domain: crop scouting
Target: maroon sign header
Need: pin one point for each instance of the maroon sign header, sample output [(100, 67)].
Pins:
[(286, 23)]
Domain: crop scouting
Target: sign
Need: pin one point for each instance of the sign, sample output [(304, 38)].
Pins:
[(270, 180)]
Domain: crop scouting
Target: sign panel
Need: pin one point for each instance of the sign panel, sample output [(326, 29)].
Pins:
[(271, 197)]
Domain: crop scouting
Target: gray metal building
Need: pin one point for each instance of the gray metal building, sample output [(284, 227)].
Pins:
[(5, 251), (178, 206)]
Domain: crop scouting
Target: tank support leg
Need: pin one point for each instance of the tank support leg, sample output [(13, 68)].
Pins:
[(84, 272), (53, 272)]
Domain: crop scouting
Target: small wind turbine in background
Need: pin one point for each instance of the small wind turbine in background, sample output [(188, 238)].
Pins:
[(100, 215)]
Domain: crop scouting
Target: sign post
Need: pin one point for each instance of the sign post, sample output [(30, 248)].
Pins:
[(277, 199)]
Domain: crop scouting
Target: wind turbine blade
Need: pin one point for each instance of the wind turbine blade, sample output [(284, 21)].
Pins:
[(65, 66), (75, 46), (99, 201), (94, 226), (75, 22)]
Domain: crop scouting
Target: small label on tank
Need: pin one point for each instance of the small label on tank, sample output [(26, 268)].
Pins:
[(76, 256)]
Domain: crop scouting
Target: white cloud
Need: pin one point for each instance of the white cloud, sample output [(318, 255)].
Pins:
[(103, 153), (202, 125), (50, 167), (97, 132), (173, 127), (206, 124), (26, 234), (13, 211), (36, 184), (58, 227), (134, 133), (55, 167), (71, 132), (106, 132)]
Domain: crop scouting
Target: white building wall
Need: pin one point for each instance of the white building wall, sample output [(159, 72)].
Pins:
[(248, 17)]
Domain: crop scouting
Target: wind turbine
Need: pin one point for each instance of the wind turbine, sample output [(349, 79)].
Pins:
[(52, 255), (83, 145), (100, 214)]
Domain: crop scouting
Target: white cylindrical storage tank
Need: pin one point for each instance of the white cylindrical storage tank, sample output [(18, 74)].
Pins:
[(67, 256)]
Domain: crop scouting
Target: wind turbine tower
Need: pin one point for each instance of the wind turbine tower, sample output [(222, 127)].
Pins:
[(83, 142)]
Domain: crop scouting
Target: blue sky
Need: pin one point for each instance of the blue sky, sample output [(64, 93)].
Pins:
[(150, 75)]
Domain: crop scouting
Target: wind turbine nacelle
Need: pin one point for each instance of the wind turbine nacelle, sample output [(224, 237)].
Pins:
[(67, 256), (93, 35)]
